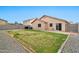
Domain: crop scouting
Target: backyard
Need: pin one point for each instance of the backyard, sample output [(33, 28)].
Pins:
[(39, 41)]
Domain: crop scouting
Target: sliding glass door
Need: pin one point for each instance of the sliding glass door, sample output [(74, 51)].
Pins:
[(59, 26)]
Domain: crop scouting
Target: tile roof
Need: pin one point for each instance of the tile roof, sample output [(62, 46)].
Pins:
[(33, 20), (54, 18), (38, 20)]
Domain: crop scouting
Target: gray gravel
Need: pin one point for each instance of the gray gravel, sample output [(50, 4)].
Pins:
[(72, 45), (9, 44)]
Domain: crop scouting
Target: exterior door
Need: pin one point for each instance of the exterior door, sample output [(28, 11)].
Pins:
[(59, 26)]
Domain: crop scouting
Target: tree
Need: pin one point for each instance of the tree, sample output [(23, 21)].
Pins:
[(16, 22)]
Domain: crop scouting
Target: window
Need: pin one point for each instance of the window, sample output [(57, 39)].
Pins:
[(50, 24), (59, 26), (39, 25)]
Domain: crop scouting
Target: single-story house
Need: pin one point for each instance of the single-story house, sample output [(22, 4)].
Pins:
[(3, 22), (28, 22), (4, 25), (51, 24)]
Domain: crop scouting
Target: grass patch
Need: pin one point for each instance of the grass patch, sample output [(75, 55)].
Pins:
[(40, 41)]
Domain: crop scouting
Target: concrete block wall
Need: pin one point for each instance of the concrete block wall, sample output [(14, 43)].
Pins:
[(9, 27), (72, 28)]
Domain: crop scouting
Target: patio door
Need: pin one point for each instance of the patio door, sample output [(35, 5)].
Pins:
[(59, 26)]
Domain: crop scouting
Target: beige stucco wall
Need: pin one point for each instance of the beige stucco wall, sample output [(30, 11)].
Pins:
[(35, 25), (3, 22), (54, 21), (72, 28)]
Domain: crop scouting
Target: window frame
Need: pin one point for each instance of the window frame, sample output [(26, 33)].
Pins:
[(39, 25), (51, 24)]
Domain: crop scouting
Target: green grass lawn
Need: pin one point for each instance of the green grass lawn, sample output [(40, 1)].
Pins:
[(39, 41)]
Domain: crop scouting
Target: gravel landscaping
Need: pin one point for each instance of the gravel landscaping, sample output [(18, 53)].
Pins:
[(72, 45)]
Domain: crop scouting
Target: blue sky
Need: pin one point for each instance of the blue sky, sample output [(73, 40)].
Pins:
[(20, 13)]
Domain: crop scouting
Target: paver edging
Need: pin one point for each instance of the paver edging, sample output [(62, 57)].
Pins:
[(22, 45), (60, 49)]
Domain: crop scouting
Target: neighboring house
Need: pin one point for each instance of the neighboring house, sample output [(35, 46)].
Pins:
[(4, 25), (52, 24), (28, 22), (3, 22)]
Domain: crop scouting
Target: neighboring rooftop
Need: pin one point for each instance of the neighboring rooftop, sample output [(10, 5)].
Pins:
[(3, 20), (29, 20)]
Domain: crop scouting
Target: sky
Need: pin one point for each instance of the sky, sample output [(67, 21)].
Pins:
[(21, 13)]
